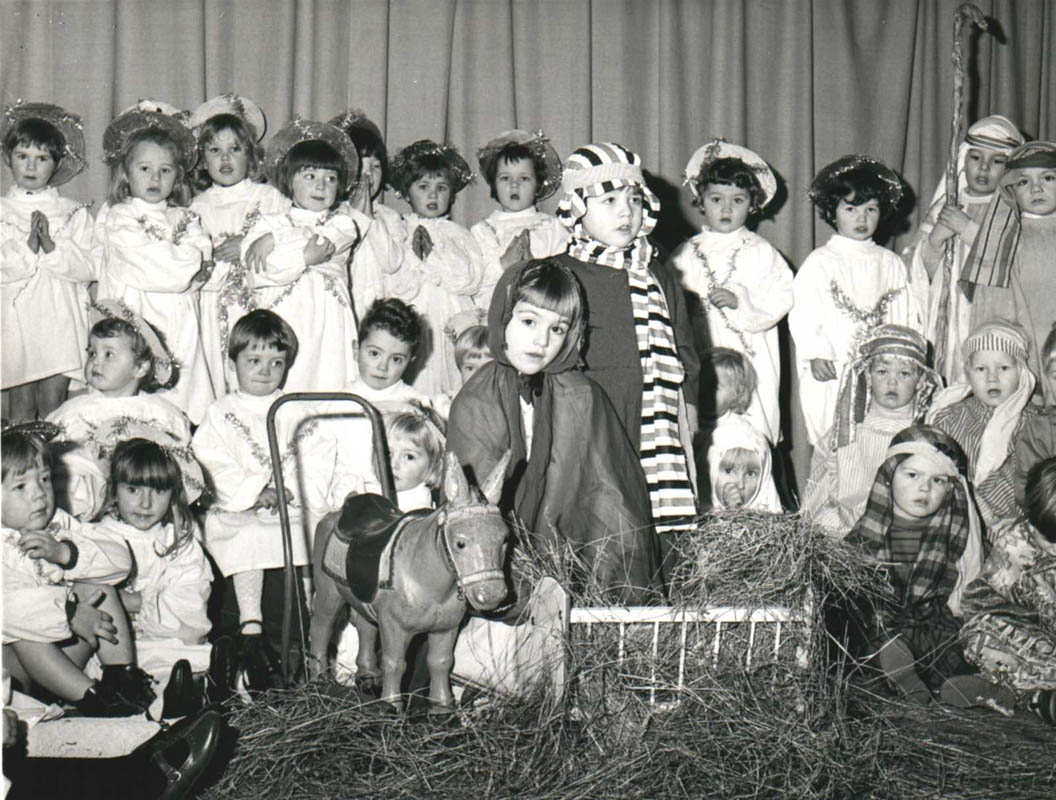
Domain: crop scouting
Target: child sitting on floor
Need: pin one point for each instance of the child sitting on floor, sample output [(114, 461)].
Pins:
[(985, 413), (1037, 438), (919, 523), (886, 389), (739, 463), (60, 604)]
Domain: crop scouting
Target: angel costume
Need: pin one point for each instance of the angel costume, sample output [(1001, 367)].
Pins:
[(547, 236), (379, 256)]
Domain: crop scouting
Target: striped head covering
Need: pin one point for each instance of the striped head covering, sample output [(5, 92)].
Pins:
[(855, 388), (951, 545), (1003, 337), (994, 250), (591, 171)]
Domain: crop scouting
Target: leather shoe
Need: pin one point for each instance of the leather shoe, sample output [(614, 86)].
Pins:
[(262, 666), (223, 670), (183, 751), (180, 695)]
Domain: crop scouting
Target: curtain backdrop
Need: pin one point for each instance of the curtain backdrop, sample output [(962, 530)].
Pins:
[(799, 81)]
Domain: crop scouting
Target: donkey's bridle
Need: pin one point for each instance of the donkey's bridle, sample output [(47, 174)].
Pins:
[(455, 516)]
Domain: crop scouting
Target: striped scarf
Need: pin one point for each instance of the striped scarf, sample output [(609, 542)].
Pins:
[(662, 456)]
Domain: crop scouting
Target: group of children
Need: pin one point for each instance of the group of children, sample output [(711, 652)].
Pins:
[(220, 274)]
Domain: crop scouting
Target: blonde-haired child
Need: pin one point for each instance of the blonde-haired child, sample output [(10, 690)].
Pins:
[(231, 197), (850, 284), (470, 336), (739, 463), (741, 284), (985, 413), (152, 250), (443, 270), (46, 264)]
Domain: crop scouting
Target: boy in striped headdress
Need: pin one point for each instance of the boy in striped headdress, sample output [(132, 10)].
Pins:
[(640, 344)]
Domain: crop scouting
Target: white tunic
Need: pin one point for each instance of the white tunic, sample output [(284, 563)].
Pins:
[(44, 295), (232, 446), (81, 481), (36, 591), (843, 290), (750, 267), (148, 255), (228, 211), (379, 255), (439, 287), (546, 236), (314, 300)]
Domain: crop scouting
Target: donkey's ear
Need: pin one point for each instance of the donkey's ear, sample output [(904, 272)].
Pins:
[(456, 487), (492, 487)]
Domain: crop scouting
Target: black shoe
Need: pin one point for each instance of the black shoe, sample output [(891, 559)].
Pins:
[(223, 670), (184, 750), (130, 682), (182, 697), (262, 666), (100, 701)]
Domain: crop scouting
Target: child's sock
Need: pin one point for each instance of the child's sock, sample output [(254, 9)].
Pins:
[(249, 589)]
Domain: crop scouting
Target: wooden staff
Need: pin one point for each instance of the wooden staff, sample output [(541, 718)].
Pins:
[(967, 17)]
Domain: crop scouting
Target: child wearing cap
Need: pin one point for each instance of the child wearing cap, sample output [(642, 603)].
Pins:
[(850, 284), (886, 389), (231, 197), (639, 345), (443, 271), (741, 285), (985, 413), (152, 251), (298, 260), (46, 264)]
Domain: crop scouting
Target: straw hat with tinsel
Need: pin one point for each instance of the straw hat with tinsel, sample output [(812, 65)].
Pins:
[(542, 151), (233, 104), (402, 166), (67, 123), (720, 148), (119, 429), (299, 130), (145, 115), (110, 308), (827, 181)]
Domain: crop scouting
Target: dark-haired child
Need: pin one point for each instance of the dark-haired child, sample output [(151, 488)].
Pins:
[(46, 265), (381, 252), (297, 260), (741, 284), (849, 285), (443, 269), (60, 604), (127, 364), (522, 169), (231, 196), (1011, 607), (152, 250)]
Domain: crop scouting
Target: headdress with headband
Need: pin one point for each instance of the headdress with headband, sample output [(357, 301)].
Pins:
[(67, 123), (233, 104), (735, 431), (993, 252), (828, 180), (951, 549), (720, 148), (405, 162), (108, 308), (114, 431), (297, 131), (854, 395), (145, 115), (593, 170), (542, 152), (1004, 337)]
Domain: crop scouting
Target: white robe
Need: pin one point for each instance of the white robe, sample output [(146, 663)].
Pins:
[(81, 482), (314, 300), (141, 264), (380, 254), (439, 287), (864, 272), (547, 237), (44, 295), (228, 211), (750, 267), (232, 446)]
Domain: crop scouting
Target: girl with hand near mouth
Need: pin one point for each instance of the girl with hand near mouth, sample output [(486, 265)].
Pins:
[(152, 250), (232, 195), (985, 413), (849, 285)]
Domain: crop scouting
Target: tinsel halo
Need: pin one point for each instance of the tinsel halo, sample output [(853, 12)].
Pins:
[(68, 124), (822, 185), (306, 130), (541, 149), (108, 308), (403, 163), (236, 105), (142, 116), (38, 427), (119, 429), (356, 118), (720, 148)]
